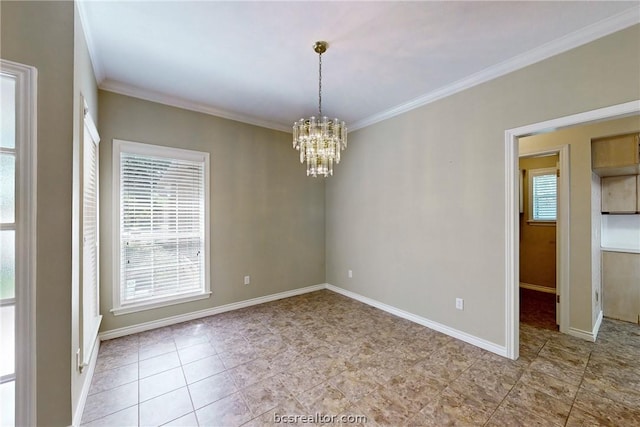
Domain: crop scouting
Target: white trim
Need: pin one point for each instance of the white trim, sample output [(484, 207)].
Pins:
[(511, 249), (134, 308), (596, 327), (118, 146), (570, 41), (478, 342), (86, 386), (537, 288), (88, 337), (173, 101), (141, 327), (463, 336), (511, 213), (98, 69), (26, 209), (563, 228), (588, 335)]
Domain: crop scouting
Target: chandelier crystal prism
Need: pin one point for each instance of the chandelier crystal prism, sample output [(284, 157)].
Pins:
[(320, 139)]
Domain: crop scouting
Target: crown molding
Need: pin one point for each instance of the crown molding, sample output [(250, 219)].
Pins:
[(98, 69), (570, 41), (148, 95)]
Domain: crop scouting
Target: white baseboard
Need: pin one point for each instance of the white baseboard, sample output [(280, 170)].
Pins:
[(128, 330), (538, 288), (596, 327), (463, 336), (587, 335), (86, 385)]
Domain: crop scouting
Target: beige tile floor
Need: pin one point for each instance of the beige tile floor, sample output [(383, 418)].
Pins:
[(327, 354)]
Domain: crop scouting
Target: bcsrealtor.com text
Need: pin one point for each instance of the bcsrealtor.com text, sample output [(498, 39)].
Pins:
[(319, 418)]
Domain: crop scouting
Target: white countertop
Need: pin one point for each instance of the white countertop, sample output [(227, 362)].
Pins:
[(629, 251)]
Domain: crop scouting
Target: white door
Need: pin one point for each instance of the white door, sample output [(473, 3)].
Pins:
[(17, 243)]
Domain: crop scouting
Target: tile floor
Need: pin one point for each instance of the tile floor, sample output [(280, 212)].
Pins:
[(324, 353)]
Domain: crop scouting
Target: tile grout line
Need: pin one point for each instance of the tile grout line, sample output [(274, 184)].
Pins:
[(578, 389), (184, 376)]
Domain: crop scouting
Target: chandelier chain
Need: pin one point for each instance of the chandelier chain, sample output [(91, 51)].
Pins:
[(320, 85)]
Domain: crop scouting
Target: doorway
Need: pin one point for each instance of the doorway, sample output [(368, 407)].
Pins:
[(512, 214), (539, 296)]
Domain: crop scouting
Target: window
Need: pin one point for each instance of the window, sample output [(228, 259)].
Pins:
[(543, 194), (162, 222), (90, 305)]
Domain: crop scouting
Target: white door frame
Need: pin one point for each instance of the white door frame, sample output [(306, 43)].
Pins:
[(511, 206)]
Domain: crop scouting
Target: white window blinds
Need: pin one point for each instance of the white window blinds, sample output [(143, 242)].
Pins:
[(162, 225), (544, 195), (90, 240)]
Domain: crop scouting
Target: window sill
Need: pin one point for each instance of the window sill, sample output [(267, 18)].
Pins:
[(134, 308), (542, 223)]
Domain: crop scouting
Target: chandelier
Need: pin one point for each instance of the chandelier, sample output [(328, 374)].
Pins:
[(320, 139)]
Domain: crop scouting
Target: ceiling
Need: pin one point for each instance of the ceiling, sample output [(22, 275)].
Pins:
[(254, 62)]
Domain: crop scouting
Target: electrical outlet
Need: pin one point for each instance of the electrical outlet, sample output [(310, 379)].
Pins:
[(350, 274), (247, 280), (459, 303)]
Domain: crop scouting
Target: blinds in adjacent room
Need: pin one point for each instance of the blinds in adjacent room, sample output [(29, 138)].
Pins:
[(544, 195), (162, 226)]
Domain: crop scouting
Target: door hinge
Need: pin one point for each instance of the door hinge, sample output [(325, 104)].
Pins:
[(558, 299), (558, 173)]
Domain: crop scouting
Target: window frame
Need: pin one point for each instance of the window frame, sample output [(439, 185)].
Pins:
[(90, 320), (540, 172), (123, 146)]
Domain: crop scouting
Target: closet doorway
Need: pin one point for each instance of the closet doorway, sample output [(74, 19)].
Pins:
[(539, 296)]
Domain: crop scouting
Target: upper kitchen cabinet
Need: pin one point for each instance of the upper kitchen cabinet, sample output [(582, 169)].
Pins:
[(616, 155), (620, 194)]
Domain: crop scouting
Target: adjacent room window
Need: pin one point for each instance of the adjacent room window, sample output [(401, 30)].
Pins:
[(162, 200), (543, 192)]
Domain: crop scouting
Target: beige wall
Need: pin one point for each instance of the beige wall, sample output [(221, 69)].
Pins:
[(537, 241), (267, 217), (424, 229), (584, 214), (416, 208), (41, 34), (84, 83)]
